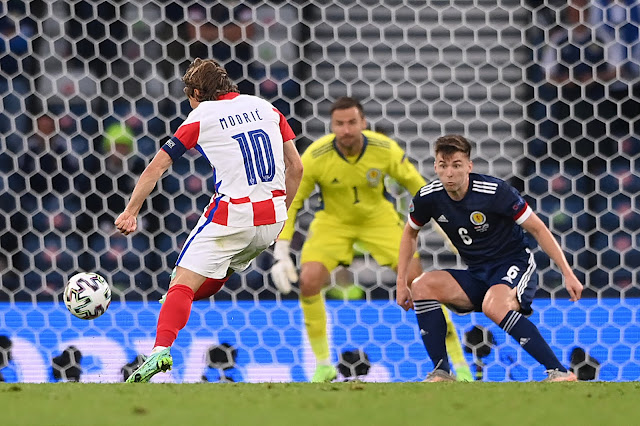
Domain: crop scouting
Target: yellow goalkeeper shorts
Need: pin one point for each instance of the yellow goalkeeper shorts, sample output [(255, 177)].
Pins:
[(332, 243)]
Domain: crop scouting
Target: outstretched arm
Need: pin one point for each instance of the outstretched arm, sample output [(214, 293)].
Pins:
[(548, 243), (127, 221)]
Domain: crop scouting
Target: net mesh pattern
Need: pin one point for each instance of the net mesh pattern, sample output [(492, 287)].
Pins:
[(548, 92)]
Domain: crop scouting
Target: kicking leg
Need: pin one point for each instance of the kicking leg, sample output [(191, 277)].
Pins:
[(209, 287), (173, 317)]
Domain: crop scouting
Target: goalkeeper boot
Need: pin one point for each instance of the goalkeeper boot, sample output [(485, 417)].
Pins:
[(560, 376), (463, 373), (439, 375), (324, 374), (154, 364)]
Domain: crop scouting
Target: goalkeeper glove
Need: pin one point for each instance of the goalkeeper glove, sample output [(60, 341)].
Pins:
[(283, 272)]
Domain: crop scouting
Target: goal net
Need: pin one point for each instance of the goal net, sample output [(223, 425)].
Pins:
[(548, 92)]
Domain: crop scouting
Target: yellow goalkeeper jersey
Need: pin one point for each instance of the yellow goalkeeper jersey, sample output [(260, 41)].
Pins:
[(352, 188)]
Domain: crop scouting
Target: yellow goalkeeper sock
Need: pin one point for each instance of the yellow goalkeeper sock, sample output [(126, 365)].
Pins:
[(315, 321), (454, 349)]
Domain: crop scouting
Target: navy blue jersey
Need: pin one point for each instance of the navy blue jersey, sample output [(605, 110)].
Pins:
[(484, 226)]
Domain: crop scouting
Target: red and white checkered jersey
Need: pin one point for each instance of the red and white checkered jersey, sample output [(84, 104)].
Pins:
[(242, 136)]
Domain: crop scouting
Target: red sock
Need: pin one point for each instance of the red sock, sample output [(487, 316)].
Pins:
[(210, 287), (174, 314)]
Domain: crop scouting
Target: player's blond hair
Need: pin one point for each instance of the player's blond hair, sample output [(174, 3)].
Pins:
[(210, 78), (450, 144)]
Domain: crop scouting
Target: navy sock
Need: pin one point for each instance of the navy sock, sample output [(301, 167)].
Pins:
[(529, 337), (433, 329)]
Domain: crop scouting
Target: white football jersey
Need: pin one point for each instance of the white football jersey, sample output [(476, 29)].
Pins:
[(242, 137)]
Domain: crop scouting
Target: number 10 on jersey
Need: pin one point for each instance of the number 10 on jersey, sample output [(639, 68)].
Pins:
[(258, 156)]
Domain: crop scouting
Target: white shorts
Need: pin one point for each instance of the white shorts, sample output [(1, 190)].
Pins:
[(212, 249)]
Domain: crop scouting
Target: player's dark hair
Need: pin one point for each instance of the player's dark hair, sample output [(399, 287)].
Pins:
[(450, 144), (345, 102), (210, 78)]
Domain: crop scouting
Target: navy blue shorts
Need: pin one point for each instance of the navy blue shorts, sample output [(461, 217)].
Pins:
[(516, 272)]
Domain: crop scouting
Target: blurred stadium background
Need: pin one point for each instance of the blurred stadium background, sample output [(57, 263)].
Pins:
[(548, 91)]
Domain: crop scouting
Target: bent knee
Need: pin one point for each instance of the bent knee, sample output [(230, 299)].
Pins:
[(313, 278), (425, 287), (308, 282), (496, 308)]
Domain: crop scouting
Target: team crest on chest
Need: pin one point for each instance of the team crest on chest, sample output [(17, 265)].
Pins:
[(374, 176), (479, 220)]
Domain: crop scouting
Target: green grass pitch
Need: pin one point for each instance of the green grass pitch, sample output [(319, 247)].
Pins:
[(327, 404)]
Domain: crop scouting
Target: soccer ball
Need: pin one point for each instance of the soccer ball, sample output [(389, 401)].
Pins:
[(87, 295)]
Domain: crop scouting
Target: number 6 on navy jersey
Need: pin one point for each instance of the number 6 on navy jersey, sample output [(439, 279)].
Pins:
[(464, 235), (261, 147)]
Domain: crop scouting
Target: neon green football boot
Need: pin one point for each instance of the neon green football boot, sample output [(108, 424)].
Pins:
[(463, 373), (158, 362), (324, 374)]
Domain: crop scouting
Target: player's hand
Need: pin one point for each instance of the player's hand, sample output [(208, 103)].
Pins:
[(403, 295), (283, 272), (126, 223), (574, 287)]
